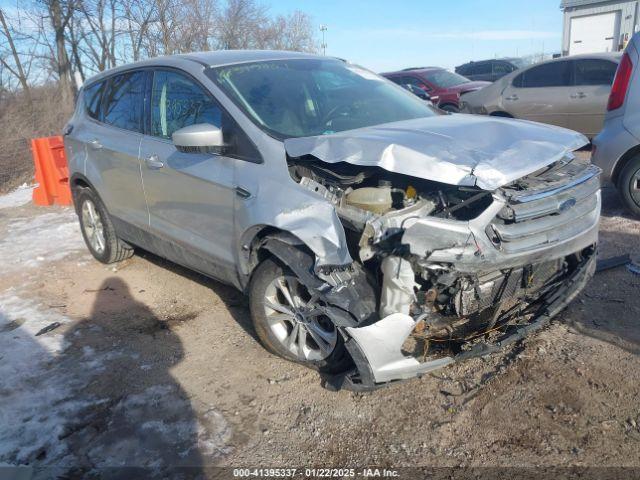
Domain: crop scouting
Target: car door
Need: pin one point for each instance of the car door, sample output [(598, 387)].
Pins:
[(190, 195), (540, 93), (112, 141), (593, 78)]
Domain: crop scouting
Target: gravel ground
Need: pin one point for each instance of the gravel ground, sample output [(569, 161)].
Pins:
[(149, 365)]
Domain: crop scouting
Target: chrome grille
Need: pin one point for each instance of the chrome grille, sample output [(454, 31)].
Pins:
[(562, 206)]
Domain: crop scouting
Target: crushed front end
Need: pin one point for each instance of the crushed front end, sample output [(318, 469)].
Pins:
[(460, 271)]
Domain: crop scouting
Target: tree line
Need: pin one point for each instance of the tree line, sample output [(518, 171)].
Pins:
[(67, 41)]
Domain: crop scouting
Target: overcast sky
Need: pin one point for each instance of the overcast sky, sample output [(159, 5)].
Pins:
[(388, 35)]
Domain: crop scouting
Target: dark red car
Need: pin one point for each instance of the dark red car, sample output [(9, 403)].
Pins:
[(444, 87)]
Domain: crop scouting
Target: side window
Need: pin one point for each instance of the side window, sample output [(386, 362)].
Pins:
[(500, 68), (594, 72), (412, 81), (177, 102), (123, 102), (92, 99), (483, 68), (553, 74)]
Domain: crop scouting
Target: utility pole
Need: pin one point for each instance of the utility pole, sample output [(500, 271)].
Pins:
[(323, 28)]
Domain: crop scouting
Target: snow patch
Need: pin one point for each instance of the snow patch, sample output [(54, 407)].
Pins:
[(35, 399), (32, 241), (20, 196), (46, 414)]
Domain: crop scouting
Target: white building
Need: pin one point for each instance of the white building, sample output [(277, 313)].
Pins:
[(592, 26)]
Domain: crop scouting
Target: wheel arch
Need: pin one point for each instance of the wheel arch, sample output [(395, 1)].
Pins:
[(622, 162), (253, 249)]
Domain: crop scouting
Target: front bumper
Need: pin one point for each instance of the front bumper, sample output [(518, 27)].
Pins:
[(376, 348)]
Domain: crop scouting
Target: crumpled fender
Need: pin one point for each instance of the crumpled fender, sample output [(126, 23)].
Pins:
[(350, 303)]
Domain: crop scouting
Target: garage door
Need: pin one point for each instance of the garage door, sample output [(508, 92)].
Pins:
[(594, 33)]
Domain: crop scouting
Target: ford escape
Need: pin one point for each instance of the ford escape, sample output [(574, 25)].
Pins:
[(376, 237)]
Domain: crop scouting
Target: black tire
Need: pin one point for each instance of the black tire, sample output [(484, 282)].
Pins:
[(628, 181), (269, 270), (450, 108), (115, 249)]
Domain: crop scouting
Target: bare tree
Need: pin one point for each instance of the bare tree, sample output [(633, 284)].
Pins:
[(16, 70), (60, 13), (240, 24)]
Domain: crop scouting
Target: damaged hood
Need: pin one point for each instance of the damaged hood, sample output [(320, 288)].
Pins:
[(487, 152)]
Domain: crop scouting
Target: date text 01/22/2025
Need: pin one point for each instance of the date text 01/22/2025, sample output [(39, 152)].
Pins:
[(314, 472)]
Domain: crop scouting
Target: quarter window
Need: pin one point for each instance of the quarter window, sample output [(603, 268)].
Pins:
[(123, 103), (177, 102), (92, 97), (553, 74), (594, 72)]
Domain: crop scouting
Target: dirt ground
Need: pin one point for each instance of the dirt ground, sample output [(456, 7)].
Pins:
[(154, 366)]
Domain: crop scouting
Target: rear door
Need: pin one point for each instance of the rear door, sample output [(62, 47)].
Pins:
[(190, 195), (112, 140), (540, 93), (588, 98)]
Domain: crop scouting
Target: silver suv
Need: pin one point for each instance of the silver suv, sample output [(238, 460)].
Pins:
[(617, 147), (377, 238)]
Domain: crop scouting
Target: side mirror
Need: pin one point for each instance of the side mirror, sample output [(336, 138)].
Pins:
[(417, 91), (199, 138)]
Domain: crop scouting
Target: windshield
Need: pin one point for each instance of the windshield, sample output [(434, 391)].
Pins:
[(444, 78), (306, 97)]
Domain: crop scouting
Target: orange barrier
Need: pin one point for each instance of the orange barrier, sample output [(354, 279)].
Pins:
[(52, 172)]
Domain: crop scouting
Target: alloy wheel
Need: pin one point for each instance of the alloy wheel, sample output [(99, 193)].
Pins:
[(297, 320), (93, 227)]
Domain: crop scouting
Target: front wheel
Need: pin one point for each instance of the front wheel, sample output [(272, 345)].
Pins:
[(289, 322), (629, 186), (97, 229)]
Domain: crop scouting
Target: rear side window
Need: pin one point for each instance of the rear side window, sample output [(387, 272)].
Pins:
[(177, 102), (123, 101), (594, 72), (92, 97), (554, 74)]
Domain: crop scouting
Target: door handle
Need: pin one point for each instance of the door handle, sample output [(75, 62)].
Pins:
[(153, 162), (95, 144), (242, 193), (578, 95), (512, 97)]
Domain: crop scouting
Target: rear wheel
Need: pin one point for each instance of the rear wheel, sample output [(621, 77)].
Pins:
[(289, 322), (97, 229), (629, 185)]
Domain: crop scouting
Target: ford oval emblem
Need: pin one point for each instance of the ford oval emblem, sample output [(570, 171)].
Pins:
[(567, 204)]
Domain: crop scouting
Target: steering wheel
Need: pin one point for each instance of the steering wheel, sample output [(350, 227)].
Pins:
[(329, 116)]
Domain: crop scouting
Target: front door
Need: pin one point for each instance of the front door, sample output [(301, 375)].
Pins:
[(540, 94), (190, 195)]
